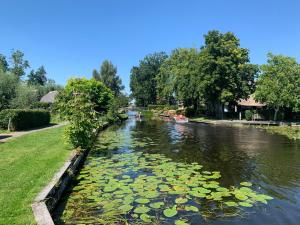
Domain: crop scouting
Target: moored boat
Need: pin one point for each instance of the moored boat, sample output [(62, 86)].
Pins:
[(181, 119)]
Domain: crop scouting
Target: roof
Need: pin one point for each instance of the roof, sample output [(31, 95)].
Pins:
[(49, 97), (250, 102)]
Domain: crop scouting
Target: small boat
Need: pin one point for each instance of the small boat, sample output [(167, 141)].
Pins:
[(181, 119)]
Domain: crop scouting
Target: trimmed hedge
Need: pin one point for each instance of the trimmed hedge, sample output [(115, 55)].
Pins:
[(22, 119)]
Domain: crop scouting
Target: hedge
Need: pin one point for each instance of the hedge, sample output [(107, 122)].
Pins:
[(21, 119)]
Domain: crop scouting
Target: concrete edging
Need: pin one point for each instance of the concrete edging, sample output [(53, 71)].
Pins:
[(46, 201)]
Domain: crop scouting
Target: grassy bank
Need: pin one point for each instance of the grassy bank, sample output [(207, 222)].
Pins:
[(290, 132), (27, 164), (202, 119)]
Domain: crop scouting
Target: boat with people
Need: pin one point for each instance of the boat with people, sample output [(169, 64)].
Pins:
[(180, 119)]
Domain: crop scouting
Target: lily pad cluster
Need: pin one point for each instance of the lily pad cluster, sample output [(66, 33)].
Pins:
[(111, 140), (141, 188)]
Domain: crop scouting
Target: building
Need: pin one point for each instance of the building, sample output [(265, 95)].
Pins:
[(248, 104), (49, 98)]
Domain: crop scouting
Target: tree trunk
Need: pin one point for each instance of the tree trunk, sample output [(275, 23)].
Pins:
[(275, 114), (219, 110)]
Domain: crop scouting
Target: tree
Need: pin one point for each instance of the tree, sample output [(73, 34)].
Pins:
[(228, 74), (25, 96), (180, 77), (38, 77), (19, 64), (3, 63), (143, 79), (96, 75), (279, 83), (8, 84), (108, 75)]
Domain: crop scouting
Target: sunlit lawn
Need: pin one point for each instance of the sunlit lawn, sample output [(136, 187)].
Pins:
[(27, 164)]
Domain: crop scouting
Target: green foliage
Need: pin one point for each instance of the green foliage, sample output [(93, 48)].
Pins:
[(41, 105), (248, 115), (3, 63), (143, 79), (8, 84), (279, 83), (82, 103), (19, 64), (108, 75), (38, 77), (25, 96), (23, 119)]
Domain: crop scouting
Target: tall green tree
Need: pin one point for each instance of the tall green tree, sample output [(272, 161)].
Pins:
[(38, 77), (229, 75), (19, 64), (108, 75), (143, 79), (8, 85), (3, 63), (279, 83), (180, 77)]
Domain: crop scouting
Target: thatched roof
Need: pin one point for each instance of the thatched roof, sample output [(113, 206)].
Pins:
[(49, 98), (250, 102)]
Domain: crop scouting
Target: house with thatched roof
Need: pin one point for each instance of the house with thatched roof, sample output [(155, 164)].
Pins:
[(49, 98)]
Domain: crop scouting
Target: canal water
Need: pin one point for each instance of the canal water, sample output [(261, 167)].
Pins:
[(131, 153)]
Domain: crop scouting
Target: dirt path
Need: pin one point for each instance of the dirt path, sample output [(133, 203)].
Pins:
[(8, 136)]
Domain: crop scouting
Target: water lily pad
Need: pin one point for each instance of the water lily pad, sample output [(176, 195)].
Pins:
[(247, 184), (181, 222), (181, 200), (125, 208), (245, 204), (141, 209), (142, 200), (170, 212), (191, 208), (231, 204), (146, 218), (156, 205), (241, 196)]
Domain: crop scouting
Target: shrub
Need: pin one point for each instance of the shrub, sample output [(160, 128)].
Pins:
[(41, 105), (21, 119), (83, 103), (248, 115)]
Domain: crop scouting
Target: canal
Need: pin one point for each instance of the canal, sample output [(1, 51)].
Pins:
[(157, 172)]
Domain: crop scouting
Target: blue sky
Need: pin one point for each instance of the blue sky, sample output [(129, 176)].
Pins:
[(72, 37)]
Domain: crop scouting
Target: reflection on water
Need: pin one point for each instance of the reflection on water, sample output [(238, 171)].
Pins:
[(271, 162)]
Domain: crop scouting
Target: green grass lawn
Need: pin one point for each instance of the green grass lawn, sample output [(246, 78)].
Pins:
[(27, 164), (4, 131), (202, 119)]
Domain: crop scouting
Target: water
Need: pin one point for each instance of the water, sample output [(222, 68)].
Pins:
[(271, 162)]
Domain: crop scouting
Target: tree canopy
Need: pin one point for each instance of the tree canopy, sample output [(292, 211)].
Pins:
[(19, 64), (218, 73), (108, 75), (37, 77), (143, 78), (279, 83)]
